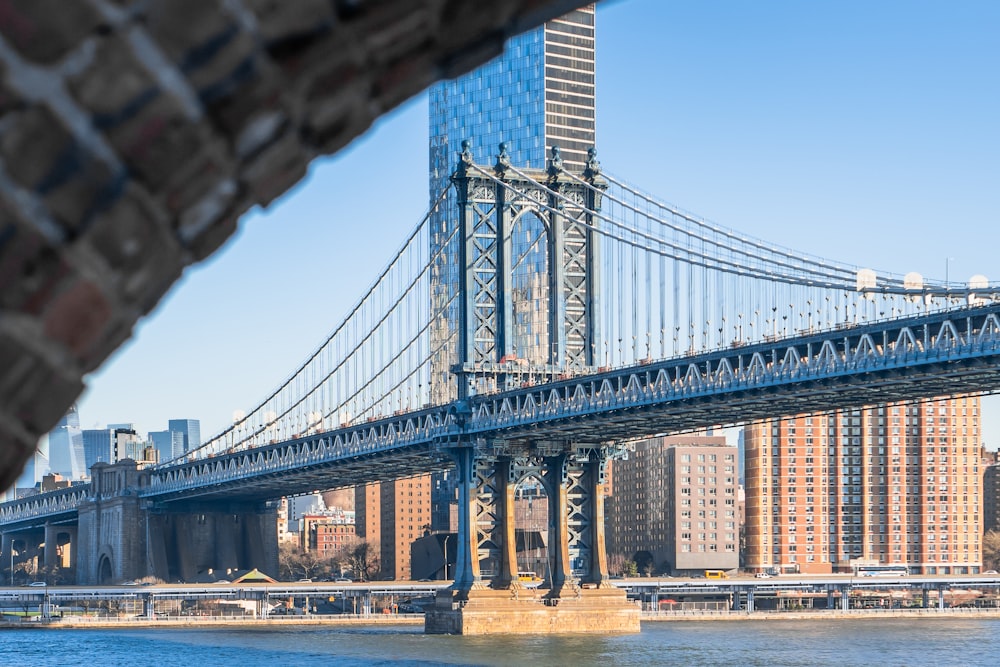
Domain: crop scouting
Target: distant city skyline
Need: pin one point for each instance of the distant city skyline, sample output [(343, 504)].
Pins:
[(860, 132)]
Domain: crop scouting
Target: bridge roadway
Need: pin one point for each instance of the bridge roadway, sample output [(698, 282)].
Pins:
[(891, 360), (640, 588)]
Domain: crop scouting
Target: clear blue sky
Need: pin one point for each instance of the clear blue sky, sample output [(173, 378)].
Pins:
[(865, 132)]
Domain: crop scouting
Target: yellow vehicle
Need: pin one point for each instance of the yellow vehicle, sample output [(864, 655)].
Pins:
[(716, 574), (529, 577)]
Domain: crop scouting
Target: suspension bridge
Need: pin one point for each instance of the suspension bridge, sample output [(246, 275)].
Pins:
[(533, 324)]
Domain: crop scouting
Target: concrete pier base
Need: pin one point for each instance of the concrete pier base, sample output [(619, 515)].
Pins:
[(530, 611)]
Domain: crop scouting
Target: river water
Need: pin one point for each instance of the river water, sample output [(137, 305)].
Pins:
[(772, 643)]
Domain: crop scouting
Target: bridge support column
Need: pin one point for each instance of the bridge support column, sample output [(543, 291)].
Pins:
[(750, 608), (560, 571), (61, 543), (467, 574), (506, 488), (486, 534), (845, 598), (50, 554)]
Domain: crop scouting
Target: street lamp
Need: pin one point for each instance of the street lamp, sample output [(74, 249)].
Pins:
[(12, 554), (446, 556)]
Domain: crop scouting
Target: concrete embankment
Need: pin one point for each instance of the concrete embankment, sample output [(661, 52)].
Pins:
[(205, 621), (820, 614), (78, 622)]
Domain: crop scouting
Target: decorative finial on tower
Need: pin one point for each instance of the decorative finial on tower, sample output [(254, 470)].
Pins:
[(503, 160), (593, 167), (555, 163), (464, 159), (466, 154)]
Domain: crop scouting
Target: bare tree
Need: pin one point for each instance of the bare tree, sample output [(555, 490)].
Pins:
[(991, 550), (363, 560), (294, 563)]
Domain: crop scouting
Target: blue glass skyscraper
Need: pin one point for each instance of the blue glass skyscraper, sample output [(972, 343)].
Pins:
[(66, 455), (191, 430), (538, 94)]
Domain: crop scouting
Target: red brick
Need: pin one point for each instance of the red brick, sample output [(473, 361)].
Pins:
[(77, 316)]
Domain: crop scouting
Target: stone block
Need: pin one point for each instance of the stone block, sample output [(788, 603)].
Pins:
[(72, 182), (401, 79), (160, 145), (232, 65), (207, 194), (32, 389), (275, 169), (31, 270), (77, 316), (116, 332), (282, 23), (184, 29), (9, 99), (114, 87), (44, 31), (393, 31), (213, 237), (252, 114), (134, 241), (34, 140)]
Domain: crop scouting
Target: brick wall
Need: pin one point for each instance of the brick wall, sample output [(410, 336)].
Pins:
[(135, 133)]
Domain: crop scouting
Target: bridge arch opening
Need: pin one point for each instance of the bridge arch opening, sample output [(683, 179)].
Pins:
[(531, 530), (530, 288), (105, 574)]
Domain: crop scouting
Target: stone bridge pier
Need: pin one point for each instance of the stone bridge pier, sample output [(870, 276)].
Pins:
[(122, 537), (209, 542)]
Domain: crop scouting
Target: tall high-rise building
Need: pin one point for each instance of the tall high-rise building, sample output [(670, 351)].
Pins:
[(167, 443), (538, 94), (66, 451), (674, 505), (991, 497), (114, 443), (99, 446), (390, 516), (889, 484), (191, 430)]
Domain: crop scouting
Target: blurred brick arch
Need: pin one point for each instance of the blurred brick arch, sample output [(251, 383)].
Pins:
[(134, 133)]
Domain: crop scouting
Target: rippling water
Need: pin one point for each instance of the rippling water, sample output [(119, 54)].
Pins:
[(772, 643)]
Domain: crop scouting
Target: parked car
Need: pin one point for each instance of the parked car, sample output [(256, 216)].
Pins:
[(38, 583), (762, 575), (342, 580)]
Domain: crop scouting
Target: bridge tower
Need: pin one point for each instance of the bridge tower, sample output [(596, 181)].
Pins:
[(564, 276), (487, 596)]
